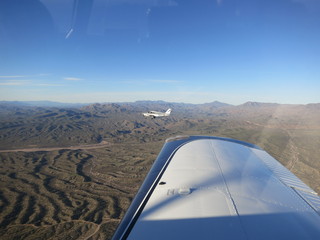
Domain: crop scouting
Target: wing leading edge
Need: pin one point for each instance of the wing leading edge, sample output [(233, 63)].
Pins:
[(210, 187)]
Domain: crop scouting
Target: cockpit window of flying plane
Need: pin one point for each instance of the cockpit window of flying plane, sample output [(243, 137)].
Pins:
[(241, 69)]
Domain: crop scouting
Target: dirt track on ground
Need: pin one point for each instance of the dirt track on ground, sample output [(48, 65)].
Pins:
[(48, 149)]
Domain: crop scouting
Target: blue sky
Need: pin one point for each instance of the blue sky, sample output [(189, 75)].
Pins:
[(173, 50)]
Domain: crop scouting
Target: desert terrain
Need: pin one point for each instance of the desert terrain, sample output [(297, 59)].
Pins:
[(71, 173)]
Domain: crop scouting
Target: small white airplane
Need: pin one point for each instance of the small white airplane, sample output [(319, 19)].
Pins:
[(154, 114)]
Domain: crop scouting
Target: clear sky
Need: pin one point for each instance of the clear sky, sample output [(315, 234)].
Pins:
[(192, 51)]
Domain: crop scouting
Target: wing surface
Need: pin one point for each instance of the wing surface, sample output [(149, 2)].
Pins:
[(218, 188)]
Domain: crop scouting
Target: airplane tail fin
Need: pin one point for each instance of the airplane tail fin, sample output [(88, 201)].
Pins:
[(167, 113)]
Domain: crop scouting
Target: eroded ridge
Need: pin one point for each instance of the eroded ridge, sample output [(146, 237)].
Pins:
[(68, 193)]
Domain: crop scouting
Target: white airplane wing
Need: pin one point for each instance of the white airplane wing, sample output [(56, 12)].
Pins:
[(218, 188)]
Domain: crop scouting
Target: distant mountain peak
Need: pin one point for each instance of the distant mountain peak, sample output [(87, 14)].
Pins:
[(258, 104), (218, 104), (40, 104)]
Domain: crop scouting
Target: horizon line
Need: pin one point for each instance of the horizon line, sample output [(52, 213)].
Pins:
[(163, 101)]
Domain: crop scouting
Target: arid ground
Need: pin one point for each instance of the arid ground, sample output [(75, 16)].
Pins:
[(72, 173)]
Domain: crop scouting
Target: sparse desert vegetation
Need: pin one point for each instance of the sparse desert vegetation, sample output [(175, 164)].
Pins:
[(86, 164)]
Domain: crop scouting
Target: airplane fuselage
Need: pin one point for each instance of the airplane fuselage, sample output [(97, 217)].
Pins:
[(154, 114)]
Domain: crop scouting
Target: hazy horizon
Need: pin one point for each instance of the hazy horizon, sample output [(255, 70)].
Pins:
[(137, 101)]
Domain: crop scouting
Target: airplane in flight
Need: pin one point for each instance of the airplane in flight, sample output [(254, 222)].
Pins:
[(154, 114), (219, 188)]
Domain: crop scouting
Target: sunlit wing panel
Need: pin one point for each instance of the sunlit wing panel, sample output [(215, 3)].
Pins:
[(217, 188)]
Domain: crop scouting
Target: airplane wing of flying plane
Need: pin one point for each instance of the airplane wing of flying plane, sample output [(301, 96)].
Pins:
[(154, 114), (219, 188)]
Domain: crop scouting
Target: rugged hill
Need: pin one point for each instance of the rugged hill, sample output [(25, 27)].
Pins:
[(23, 126), (84, 165)]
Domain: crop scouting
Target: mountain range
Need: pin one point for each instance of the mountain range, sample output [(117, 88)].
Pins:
[(70, 171)]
